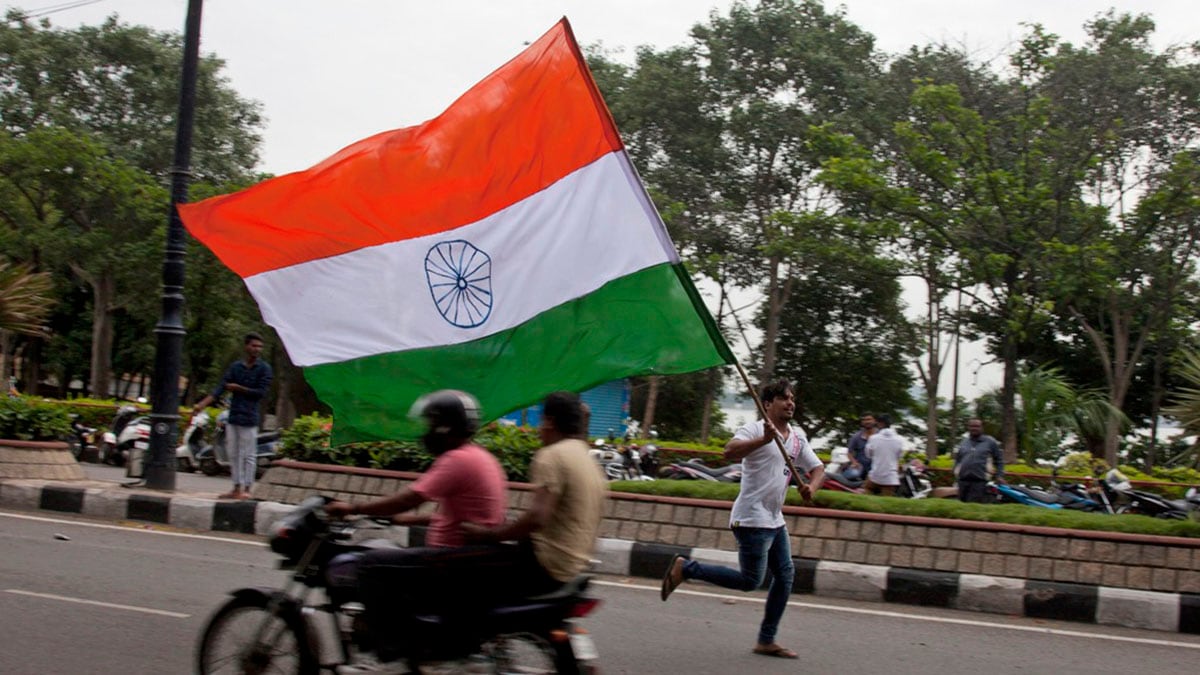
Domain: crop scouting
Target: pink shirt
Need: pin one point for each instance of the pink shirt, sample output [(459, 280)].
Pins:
[(468, 484)]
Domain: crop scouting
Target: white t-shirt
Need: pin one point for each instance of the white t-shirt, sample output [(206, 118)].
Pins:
[(765, 476), (885, 449)]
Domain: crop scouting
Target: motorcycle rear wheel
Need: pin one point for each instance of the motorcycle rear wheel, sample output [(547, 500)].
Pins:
[(530, 653), (226, 645)]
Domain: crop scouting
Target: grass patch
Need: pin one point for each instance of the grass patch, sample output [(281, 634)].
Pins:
[(1015, 514)]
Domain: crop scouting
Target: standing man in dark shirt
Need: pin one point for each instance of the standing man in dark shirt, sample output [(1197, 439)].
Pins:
[(970, 463), (858, 446), (247, 381)]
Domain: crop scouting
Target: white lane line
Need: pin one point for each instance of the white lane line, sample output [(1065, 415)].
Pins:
[(130, 528), (97, 603), (931, 619)]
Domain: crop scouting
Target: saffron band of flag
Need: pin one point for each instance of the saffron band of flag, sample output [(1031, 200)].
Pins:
[(505, 248)]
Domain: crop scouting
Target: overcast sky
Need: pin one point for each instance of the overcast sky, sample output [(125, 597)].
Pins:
[(329, 72)]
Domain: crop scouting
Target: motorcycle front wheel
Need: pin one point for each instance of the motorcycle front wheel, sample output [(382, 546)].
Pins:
[(209, 466), (228, 643)]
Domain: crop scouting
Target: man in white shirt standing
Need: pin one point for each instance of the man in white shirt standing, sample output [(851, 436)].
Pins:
[(757, 516), (885, 448)]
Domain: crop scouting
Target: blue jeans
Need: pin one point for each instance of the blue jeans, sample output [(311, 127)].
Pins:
[(759, 549)]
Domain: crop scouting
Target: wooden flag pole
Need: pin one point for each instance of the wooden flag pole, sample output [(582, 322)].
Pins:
[(801, 485)]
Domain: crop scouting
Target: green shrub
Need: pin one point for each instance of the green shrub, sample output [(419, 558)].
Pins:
[(27, 419), (307, 440), (932, 508)]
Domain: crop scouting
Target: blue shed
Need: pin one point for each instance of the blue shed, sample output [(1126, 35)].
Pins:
[(609, 403)]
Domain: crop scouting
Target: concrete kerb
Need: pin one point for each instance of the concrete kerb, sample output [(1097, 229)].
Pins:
[(1172, 612)]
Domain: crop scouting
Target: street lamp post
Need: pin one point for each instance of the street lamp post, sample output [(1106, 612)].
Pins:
[(164, 416)]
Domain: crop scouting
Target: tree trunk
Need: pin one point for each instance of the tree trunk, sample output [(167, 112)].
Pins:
[(5, 345), (651, 403), (705, 415), (774, 310), (1008, 424), (103, 292)]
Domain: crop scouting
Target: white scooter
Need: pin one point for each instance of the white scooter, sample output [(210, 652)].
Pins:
[(188, 452), (128, 437), (213, 458)]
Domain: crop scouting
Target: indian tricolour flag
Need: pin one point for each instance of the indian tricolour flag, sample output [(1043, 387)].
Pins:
[(506, 248)]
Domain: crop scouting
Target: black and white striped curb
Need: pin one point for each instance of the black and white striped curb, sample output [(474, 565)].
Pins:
[(1153, 610)]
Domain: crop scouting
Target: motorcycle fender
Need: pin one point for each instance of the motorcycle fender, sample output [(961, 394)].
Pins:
[(110, 438), (287, 605)]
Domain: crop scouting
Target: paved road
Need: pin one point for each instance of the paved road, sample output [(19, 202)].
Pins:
[(114, 599)]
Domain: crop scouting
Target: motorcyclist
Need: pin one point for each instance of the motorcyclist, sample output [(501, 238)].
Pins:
[(468, 484)]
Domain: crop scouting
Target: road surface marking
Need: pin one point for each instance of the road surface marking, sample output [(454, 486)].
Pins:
[(97, 603), (131, 528), (932, 619)]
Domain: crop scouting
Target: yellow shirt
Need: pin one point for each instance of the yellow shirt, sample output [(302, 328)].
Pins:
[(564, 546)]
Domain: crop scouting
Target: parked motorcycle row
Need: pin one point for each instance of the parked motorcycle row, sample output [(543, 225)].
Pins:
[(127, 440), (914, 483), (1112, 494)]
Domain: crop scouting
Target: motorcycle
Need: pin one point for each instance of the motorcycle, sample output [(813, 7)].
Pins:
[(261, 630), (913, 481), (649, 459), (213, 458), (1148, 503), (129, 435), (83, 441), (695, 469)]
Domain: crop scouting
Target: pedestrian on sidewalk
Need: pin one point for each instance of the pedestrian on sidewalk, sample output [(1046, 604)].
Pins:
[(757, 515), (247, 382), (884, 450), (971, 463)]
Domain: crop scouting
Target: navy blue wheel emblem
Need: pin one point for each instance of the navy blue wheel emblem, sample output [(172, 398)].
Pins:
[(460, 281)]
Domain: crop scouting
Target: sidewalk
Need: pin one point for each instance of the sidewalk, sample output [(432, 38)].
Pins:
[(204, 512)]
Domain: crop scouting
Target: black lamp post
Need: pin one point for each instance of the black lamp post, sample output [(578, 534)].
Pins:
[(164, 416)]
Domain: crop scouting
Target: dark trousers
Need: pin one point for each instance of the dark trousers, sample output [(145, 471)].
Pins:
[(973, 491), (455, 583)]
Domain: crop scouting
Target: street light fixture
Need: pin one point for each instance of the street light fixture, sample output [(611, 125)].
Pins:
[(164, 416)]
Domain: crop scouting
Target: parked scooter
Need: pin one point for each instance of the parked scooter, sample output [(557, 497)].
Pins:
[(83, 441), (695, 469), (261, 630), (213, 459), (129, 433), (187, 454)]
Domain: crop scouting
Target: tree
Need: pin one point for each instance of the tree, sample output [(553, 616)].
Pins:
[(88, 121), (1185, 404), (720, 129), (96, 217), (843, 335), (25, 304), (1122, 280), (119, 84), (1051, 408)]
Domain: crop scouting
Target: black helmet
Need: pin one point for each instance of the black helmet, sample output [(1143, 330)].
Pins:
[(451, 414)]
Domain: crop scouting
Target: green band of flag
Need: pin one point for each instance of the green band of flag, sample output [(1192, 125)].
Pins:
[(644, 323)]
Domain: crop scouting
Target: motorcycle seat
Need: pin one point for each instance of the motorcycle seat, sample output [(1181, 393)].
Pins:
[(527, 605), (1040, 495), (843, 480)]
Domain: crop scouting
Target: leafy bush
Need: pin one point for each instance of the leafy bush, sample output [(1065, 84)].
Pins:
[(27, 419), (307, 440)]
